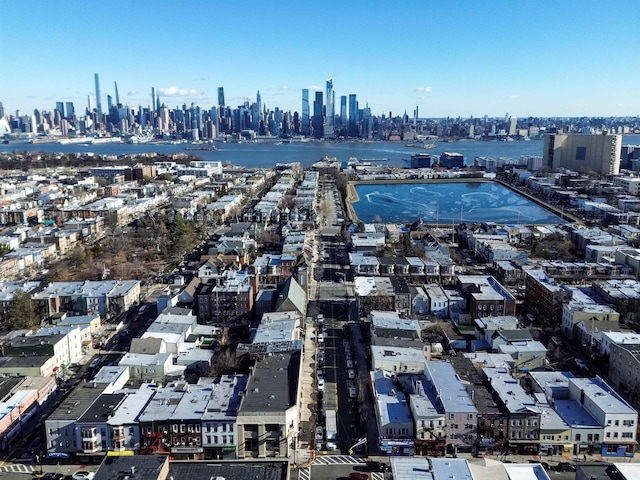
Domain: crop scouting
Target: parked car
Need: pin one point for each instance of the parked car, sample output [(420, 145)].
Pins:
[(353, 392), (358, 476), (377, 466), (565, 467), (349, 363), (580, 363), (351, 374), (83, 475), (321, 384)]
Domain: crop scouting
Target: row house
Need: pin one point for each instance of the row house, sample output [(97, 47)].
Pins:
[(274, 268), (228, 301), (393, 416), (523, 428), (23, 397), (105, 298), (442, 381), (429, 420), (544, 297), (584, 310), (486, 297), (268, 416)]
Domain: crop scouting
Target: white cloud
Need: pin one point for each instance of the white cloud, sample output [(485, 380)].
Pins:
[(316, 87), (423, 89), (132, 92), (174, 91), (514, 96)]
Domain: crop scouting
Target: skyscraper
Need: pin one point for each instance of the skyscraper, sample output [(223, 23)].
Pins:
[(118, 104), (330, 111), (343, 111), (70, 110), (353, 116), (60, 108), (98, 100), (305, 128), (318, 120), (221, 97), (153, 99)]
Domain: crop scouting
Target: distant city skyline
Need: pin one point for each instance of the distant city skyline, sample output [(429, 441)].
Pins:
[(447, 59)]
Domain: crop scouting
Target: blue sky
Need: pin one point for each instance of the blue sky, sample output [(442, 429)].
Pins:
[(544, 58)]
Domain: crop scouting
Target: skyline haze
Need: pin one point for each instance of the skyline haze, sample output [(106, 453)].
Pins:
[(448, 59)]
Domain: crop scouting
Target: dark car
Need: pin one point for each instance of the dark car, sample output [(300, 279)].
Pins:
[(545, 465), (377, 466), (358, 476), (565, 467)]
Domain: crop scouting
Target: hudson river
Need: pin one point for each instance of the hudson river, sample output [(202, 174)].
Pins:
[(268, 154)]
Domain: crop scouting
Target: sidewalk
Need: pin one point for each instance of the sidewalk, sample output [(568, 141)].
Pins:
[(304, 450)]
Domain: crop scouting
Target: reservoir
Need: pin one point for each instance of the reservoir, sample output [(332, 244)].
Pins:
[(448, 203)]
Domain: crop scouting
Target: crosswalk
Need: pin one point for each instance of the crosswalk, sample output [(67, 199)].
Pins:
[(304, 473), (339, 460), (17, 468)]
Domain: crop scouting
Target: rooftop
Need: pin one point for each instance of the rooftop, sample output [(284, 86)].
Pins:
[(274, 384), (451, 391)]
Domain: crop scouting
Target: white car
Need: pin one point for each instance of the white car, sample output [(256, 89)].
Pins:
[(349, 363), (353, 392), (580, 363), (319, 434), (321, 384), (83, 475), (351, 374)]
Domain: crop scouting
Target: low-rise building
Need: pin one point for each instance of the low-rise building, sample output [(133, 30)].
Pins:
[(454, 401)]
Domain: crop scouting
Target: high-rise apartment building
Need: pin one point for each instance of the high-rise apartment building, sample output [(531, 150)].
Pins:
[(60, 108), (343, 111), (98, 99), (353, 116), (511, 126), (318, 120), (330, 110), (305, 128), (71, 112), (583, 153)]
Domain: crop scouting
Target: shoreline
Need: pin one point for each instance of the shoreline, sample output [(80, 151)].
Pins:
[(353, 197)]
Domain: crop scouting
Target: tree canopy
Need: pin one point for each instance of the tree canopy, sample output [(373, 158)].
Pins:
[(21, 313)]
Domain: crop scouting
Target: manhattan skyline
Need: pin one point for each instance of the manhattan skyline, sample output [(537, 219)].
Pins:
[(450, 59)]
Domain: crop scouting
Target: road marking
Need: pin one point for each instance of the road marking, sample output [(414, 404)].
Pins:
[(377, 475), (337, 460), (304, 473), (18, 468)]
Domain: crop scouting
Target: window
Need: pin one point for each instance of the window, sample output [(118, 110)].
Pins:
[(617, 423), (174, 428), (470, 417), (577, 437), (628, 423), (581, 153), (451, 416), (596, 437), (615, 434), (198, 428), (589, 437), (627, 434), (608, 435), (190, 428)]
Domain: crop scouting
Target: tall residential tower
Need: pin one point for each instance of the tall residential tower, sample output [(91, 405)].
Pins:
[(330, 110), (98, 100)]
